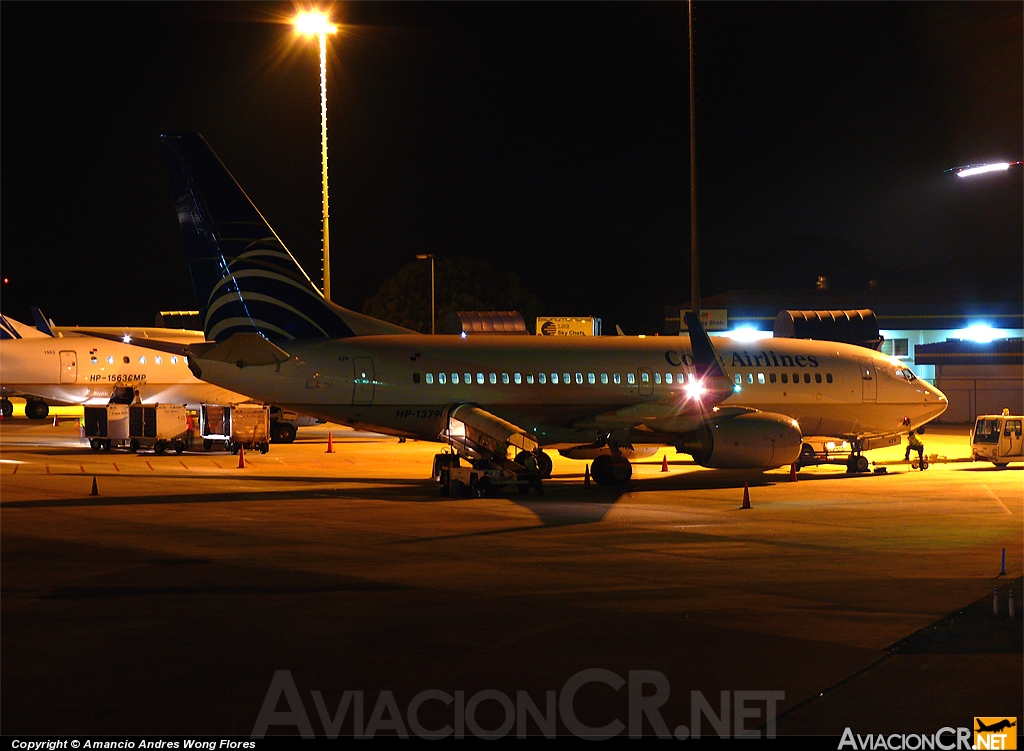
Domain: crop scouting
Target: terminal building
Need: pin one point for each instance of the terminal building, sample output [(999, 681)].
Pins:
[(970, 348)]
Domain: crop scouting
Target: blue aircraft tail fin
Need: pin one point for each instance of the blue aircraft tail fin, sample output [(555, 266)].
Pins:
[(245, 279)]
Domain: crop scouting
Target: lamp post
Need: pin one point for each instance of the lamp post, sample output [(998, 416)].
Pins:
[(424, 257), (316, 23)]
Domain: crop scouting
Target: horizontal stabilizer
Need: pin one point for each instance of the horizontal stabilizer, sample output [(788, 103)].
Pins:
[(241, 349)]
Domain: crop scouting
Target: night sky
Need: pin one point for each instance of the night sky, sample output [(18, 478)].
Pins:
[(546, 138)]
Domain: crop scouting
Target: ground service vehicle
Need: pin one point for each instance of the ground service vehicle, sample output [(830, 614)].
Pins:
[(997, 439)]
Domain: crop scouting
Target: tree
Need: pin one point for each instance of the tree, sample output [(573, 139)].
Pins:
[(459, 284)]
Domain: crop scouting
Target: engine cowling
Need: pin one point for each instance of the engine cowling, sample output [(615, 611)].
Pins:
[(749, 440)]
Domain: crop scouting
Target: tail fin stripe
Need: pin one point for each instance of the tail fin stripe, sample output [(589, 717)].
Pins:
[(252, 306)]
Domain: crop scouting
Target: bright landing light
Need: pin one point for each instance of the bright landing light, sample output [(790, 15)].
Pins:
[(694, 389)]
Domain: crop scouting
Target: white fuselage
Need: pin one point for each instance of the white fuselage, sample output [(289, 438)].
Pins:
[(74, 369), (566, 391)]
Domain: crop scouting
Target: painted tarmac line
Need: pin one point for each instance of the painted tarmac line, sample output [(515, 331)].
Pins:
[(996, 499)]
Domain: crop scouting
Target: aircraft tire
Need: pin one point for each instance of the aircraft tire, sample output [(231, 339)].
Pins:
[(94, 444), (133, 445), (861, 463), (6, 407), (158, 447), (1000, 465), (544, 464), (36, 409), (283, 432), (599, 469), (620, 471)]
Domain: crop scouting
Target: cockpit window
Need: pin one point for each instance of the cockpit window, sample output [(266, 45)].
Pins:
[(906, 373)]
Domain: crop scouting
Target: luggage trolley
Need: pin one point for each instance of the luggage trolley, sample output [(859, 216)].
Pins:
[(106, 426), (161, 426), (237, 426)]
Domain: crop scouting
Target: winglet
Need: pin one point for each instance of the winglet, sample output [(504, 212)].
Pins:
[(710, 375), (705, 361)]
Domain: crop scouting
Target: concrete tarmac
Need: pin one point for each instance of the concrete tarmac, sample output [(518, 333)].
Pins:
[(168, 602)]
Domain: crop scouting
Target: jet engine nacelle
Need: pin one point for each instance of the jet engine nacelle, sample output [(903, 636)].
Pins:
[(748, 440)]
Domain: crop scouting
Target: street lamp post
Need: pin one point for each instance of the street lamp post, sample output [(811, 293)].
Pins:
[(316, 23), (424, 257)]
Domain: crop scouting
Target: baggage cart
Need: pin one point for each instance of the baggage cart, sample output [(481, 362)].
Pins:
[(160, 426), (236, 426), (106, 426)]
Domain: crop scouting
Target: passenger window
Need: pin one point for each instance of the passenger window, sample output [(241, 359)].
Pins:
[(616, 379), (492, 378), (174, 360), (579, 378), (504, 378), (604, 378), (110, 359), (455, 378), (480, 378), (518, 378), (807, 377), (566, 378), (657, 378), (785, 377), (543, 378), (760, 378), (750, 377), (591, 379), (95, 360), (738, 378), (127, 360), (630, 378), (796, 378), (771, 378), (554, 378), (430, 378), (159, 360), (529, 377), (415, 377), (668, 378), (828, 378), (817, 377), (441, 378), (645, 377)]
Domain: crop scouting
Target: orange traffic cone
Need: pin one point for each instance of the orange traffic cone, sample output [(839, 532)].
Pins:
[(792, 472), (95, 490), (664, 462), (55, 424), (241, 457), (330, 443), (746, 497), (586, 477)]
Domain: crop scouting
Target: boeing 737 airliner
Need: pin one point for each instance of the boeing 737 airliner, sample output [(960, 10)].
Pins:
[(272, 335)]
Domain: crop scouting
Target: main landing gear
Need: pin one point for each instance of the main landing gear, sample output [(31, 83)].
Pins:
[(611, 469), (857, 464)]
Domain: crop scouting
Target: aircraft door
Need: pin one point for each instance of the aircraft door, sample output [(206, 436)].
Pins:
[(868, 382), (68, 366), (645, 381), (362, 380)]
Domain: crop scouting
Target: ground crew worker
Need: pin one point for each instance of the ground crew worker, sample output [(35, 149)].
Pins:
[(914, 444), (530, 462)]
